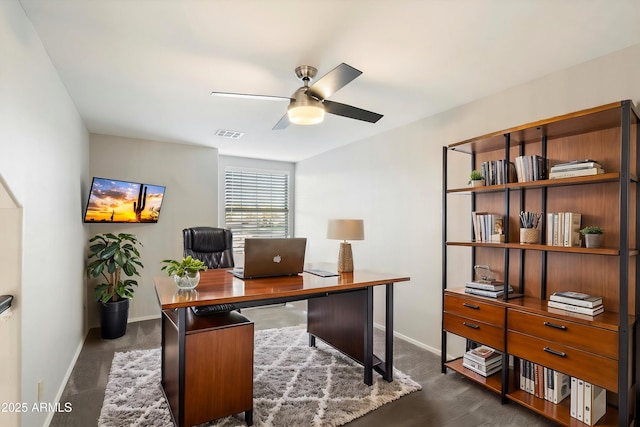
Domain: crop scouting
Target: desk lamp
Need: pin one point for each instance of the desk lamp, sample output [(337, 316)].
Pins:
[(345, 229)]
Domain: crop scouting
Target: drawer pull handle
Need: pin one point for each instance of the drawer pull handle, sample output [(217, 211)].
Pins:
[(471, 325), (553, 325), (475, 307), (555, 352)]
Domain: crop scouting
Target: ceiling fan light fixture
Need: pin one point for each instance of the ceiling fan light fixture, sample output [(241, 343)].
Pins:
[(305, 110), (306, 114)]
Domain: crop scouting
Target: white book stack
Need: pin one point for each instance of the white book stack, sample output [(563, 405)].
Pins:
[(576, 168), (483, 360), (588, 401), (576, 303)]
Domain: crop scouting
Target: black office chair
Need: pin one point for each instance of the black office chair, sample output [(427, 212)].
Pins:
[(213, 246)]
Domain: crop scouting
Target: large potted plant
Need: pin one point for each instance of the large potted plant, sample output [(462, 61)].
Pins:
[(111, 257)]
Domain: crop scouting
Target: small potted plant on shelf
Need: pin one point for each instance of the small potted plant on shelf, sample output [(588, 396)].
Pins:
[(476, 179), (186, 273), (592, 236), (112, 257)]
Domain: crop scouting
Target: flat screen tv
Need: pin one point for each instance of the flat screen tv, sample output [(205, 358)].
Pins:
[(116, 201)]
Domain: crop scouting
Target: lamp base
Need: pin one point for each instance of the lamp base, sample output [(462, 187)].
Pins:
[(345, 258)]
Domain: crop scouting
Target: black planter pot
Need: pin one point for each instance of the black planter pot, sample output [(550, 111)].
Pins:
[(113, 318)]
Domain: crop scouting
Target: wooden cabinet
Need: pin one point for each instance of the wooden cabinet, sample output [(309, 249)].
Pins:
[(210, 374), (602, 349)]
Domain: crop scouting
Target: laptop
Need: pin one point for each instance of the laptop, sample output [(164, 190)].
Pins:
[(272, 257)]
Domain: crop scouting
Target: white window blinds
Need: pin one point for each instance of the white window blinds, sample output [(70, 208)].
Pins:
[(256, 204)]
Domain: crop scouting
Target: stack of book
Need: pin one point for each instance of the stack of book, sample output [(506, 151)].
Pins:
[(563, 229), (588, 401), (486, 288), (531, 168), (487, 227), (498, 172), (483, 360), (576, 168), (576, 302), (544, 382)]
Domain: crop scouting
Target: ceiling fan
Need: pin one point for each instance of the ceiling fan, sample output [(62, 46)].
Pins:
[(308, 104)]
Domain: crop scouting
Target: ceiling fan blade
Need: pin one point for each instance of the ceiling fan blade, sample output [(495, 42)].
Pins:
[(351, 112), (334, 80), (282, 123), (250, 96)]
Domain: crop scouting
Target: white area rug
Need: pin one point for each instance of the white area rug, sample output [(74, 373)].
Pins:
[(294, 385)]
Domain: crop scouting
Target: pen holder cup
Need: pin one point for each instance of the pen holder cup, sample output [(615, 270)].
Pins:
[(529, 235)]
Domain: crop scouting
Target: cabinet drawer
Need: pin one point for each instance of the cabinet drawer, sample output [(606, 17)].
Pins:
[(475, 310), (484, 333), (590, 367), (584, 337)]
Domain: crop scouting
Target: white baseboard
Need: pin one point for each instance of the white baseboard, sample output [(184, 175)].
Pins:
[(143, 318), (410, 340), (65, 380)]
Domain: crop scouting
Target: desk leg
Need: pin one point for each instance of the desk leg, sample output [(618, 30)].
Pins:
[(385, 368), (182, 334), (368, 337), (388, 349)]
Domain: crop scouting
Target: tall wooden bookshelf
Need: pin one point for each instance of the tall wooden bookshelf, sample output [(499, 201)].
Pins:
[(602, 350)]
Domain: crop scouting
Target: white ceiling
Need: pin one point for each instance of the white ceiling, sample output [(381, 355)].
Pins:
[(146, 68)]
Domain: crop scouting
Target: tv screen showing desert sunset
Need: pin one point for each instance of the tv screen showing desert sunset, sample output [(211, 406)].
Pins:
[(121, 201)]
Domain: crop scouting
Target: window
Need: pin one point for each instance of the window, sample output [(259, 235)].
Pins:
[(256, 204)]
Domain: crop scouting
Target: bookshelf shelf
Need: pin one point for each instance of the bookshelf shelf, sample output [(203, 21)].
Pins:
[(561, 182), (609, 134), (492, 382)]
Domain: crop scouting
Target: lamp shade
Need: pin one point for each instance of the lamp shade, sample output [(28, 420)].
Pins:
[(345, 229)]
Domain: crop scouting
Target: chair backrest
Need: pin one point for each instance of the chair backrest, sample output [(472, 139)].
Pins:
[(213, 246)]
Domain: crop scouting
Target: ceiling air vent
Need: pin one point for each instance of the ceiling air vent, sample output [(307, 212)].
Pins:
[(231, 134)]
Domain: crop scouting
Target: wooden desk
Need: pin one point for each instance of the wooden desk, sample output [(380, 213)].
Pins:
[(340, 311)]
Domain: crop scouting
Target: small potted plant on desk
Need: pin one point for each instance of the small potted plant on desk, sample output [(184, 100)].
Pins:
[(186, 273), (476, 179), (592, 236), (112, 257)]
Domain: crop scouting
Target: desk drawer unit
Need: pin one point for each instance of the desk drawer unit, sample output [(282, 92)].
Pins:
[(576, 349), (475, 320)]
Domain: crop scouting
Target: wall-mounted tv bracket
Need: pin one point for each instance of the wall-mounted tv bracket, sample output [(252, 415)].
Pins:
[(5, 302)]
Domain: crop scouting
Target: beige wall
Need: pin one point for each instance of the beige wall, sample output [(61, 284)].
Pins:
[(190, 175), (394, 182), (10, 265), (44, 158)]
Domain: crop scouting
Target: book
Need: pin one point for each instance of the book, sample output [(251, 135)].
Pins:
[(584, 300), (480, 367), (571, 236), (580, 399), (579, 172), (483, 373), (595, 403), (570, 307), (571, 313), (576, 164), (485, 293), (486, 285), (573, 411), (562, 386), (483, 354)]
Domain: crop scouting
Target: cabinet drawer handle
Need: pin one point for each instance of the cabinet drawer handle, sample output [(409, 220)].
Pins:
[(553, 325), (555, 352), (475, 307), (471, 325)]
